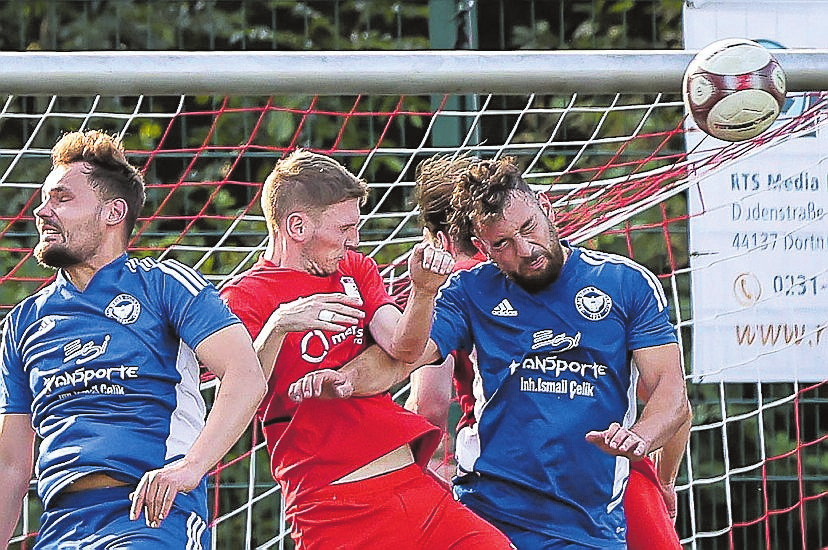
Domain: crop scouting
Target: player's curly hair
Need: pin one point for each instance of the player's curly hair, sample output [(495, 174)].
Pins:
[(308, 181), (111, 175), (482, 194), (436, 178)]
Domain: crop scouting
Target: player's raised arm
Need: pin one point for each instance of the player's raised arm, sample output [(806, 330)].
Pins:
[(16, 457), (429, 267)]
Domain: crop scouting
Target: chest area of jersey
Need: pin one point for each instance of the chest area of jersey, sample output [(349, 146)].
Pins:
[(313, 347), (95, 344), (583, 319), (567, 344)]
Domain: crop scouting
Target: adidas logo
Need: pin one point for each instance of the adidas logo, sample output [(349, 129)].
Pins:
[(504, 309)]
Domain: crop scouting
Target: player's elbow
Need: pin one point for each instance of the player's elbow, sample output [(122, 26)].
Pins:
[(408, 355), (682, 415), (685, 413), (247, 376), (434, 413), (258, 383)]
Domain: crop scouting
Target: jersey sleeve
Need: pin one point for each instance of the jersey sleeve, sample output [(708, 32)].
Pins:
[(192, 303), (15, 394), (450, 327), (649, 321), (244, 303)]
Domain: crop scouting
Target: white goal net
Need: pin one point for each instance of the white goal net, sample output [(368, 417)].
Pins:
[(604, 133)]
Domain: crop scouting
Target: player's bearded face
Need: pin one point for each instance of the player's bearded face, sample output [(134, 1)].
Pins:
[(68, 219), (543, 267), (525, 245)]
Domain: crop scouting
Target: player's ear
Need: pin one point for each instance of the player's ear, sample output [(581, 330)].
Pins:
[(546, 206), (296, 226), (115, 211), (480, 246)]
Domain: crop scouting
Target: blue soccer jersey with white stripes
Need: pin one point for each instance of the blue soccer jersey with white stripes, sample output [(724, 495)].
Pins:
[(551, 366), (108, 374)]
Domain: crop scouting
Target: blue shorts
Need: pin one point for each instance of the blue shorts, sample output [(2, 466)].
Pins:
[(98, 519), (528, 539)]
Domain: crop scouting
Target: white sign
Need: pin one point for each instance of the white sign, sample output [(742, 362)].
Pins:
[(759, 230)]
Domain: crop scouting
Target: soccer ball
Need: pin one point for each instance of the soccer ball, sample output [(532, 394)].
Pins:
[(734, 88)]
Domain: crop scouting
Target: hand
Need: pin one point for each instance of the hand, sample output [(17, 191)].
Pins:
[(322, 384), (619, 441), (332, 312), (429, 266), (157, 489)]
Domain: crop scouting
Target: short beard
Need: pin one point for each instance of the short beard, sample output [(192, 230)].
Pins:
[(543, 279), (55, 257), (554, 264)]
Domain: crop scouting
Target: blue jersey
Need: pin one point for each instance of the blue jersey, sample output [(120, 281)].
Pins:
[(108, 374), (551, 366)]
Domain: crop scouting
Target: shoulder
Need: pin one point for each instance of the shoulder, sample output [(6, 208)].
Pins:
[(482, 278), (612, 264), (29, 305), (357, 261), (242, 280), (166, 271), (361, 268), (627, 275), (480, 273)]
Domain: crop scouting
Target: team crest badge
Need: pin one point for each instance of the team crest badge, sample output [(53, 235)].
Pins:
[(124, 308), (593, 304)]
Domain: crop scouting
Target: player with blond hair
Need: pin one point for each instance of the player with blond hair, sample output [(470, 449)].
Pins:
[(352, 472)]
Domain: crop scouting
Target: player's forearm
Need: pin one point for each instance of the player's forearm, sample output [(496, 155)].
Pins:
[(239, 394), (374, 371), (672, 453), (664, 415), (15, 483), (268, 344), (413, 329), (430, 394)]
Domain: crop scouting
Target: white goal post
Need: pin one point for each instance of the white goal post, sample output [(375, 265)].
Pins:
[(344, 73)]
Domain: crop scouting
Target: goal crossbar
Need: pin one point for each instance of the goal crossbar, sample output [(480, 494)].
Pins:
[(354, 73)]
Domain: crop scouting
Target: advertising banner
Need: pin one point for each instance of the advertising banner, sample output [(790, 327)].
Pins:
[(758, 229)]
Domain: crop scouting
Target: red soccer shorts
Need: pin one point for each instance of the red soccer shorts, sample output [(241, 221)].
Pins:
[(402, 510), (649, 526)]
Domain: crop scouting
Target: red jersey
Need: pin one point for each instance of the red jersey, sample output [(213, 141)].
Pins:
[(319, 441)]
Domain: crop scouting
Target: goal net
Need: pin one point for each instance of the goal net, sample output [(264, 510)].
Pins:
[(604, 134)]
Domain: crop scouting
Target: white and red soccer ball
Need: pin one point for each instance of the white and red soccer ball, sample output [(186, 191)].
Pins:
[(734, 89)]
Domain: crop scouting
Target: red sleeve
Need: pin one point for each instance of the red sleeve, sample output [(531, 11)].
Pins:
[(371, 286), (246, 305)]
